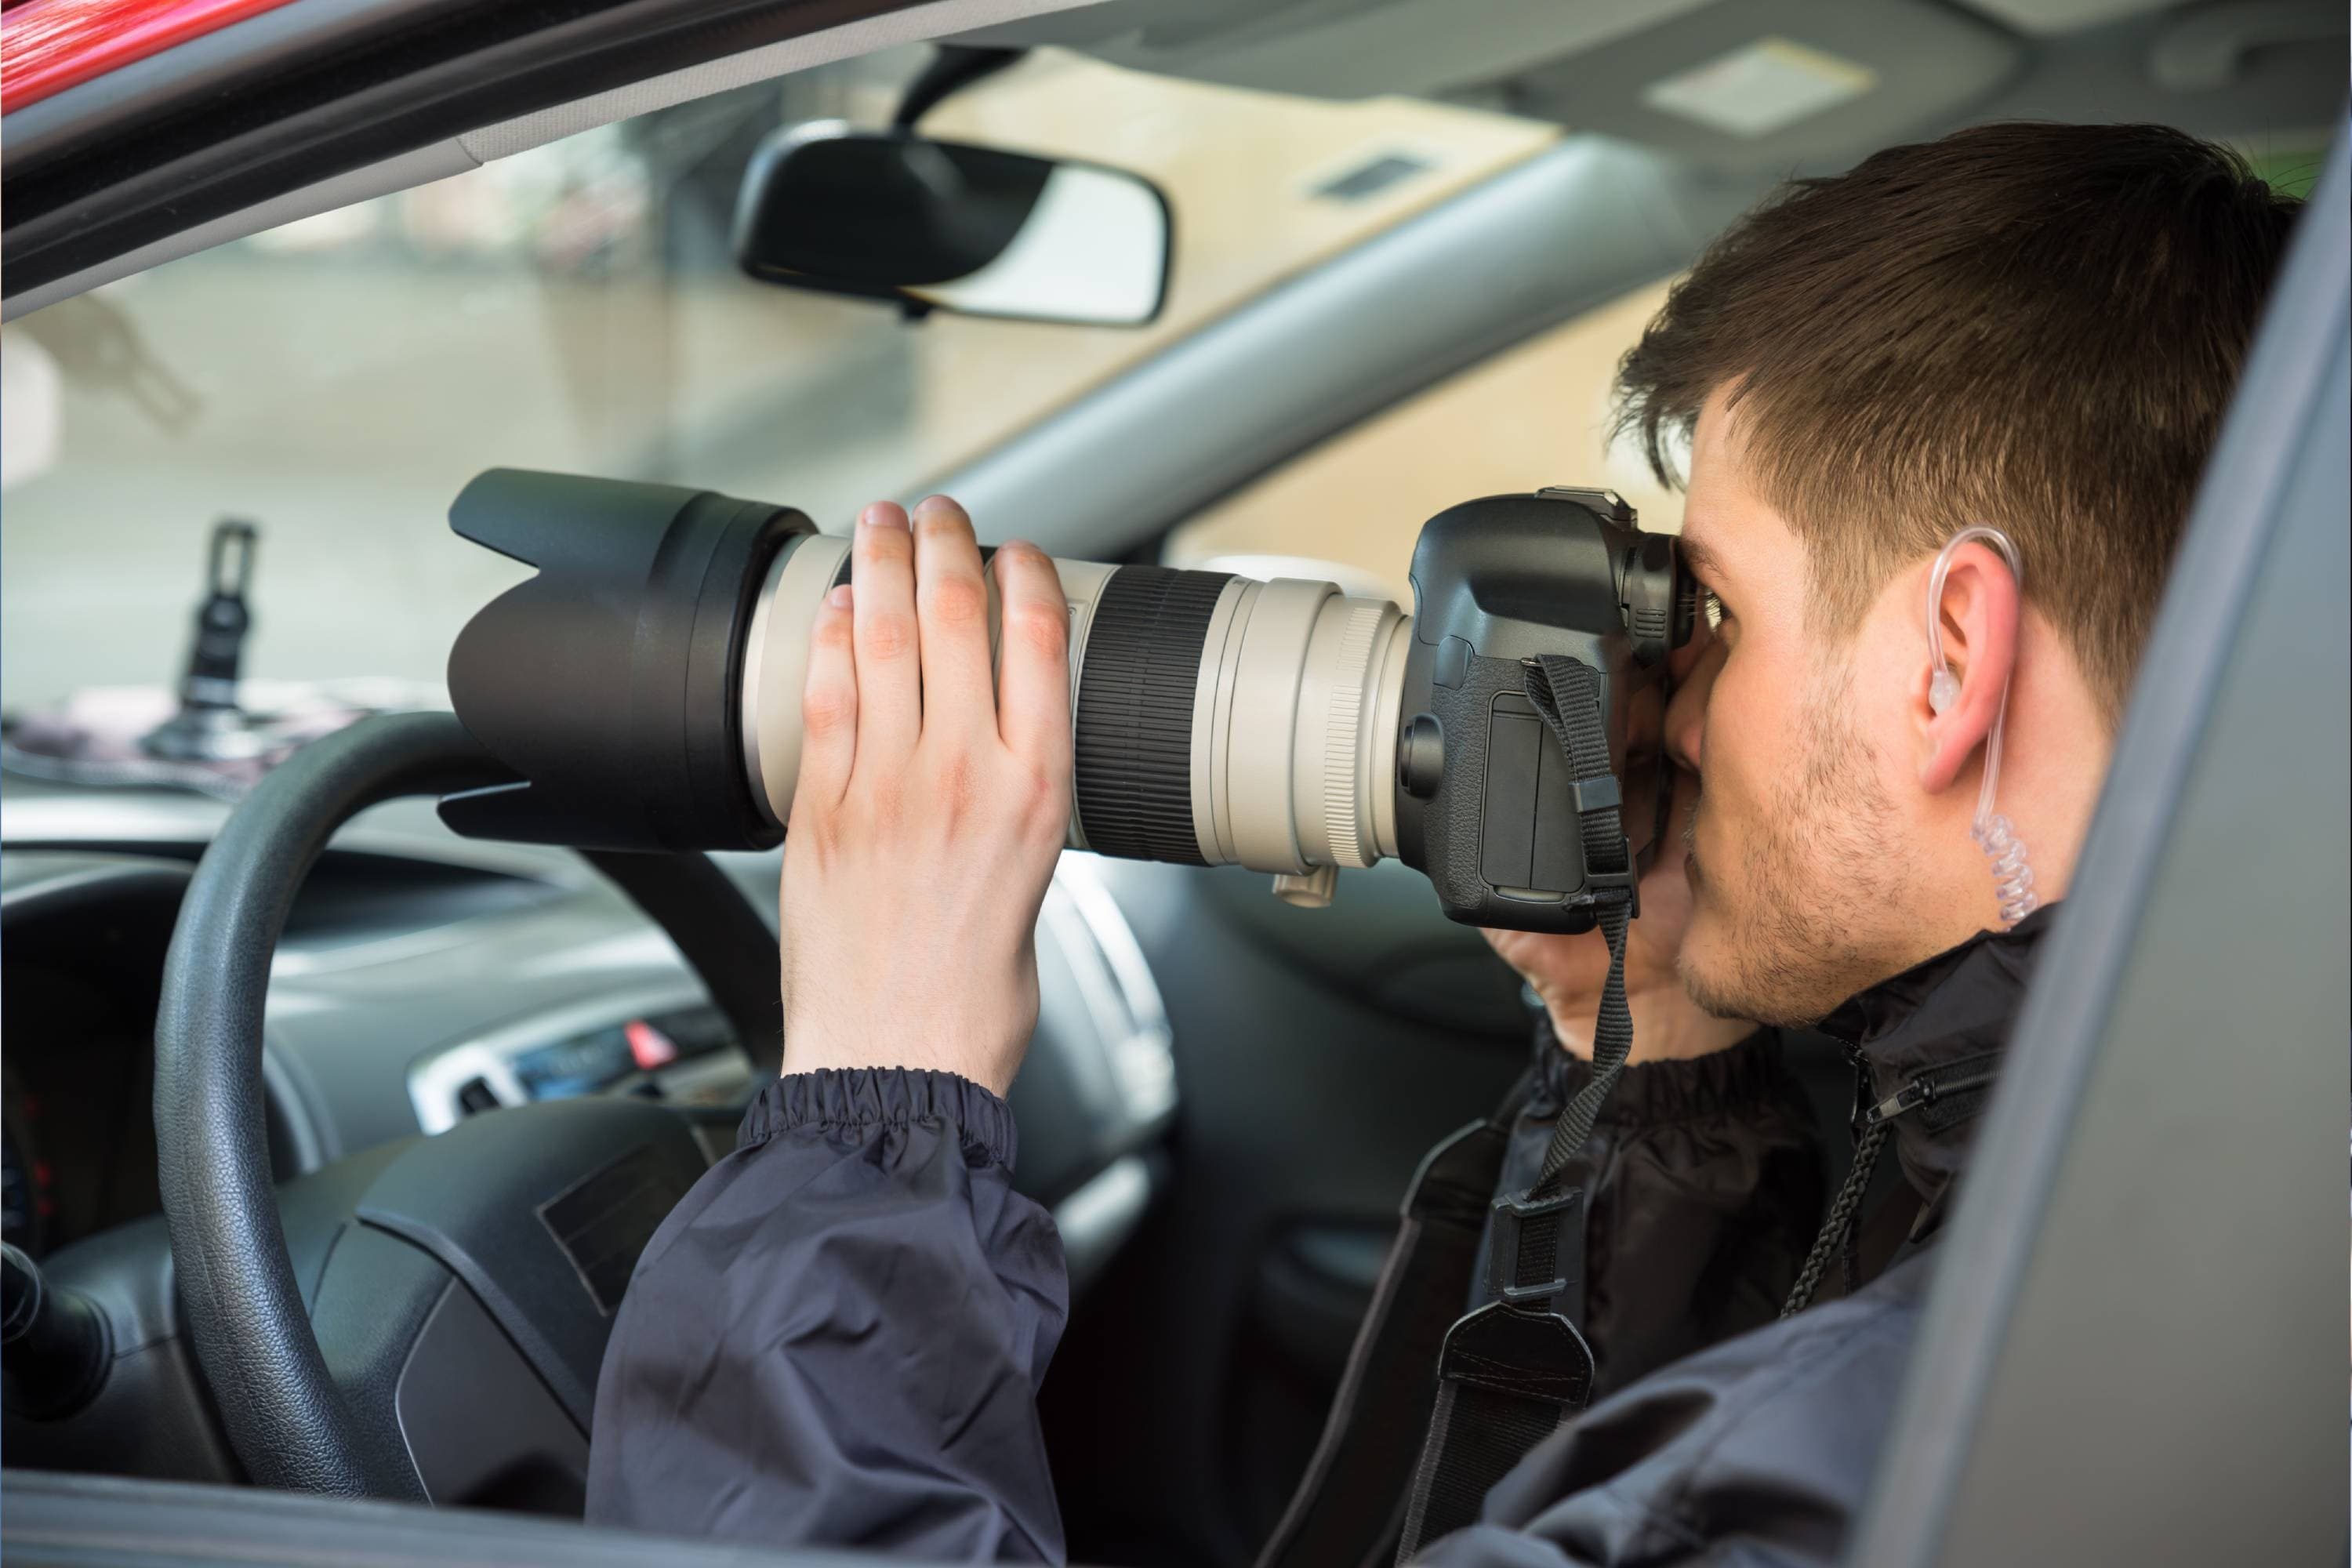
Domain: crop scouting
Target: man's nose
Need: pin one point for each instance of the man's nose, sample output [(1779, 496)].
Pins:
[(1687, 714)]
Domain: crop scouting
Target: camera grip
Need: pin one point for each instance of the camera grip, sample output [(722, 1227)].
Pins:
[(1500, 838)]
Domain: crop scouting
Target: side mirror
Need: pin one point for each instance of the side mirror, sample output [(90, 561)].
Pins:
[(943, 225)]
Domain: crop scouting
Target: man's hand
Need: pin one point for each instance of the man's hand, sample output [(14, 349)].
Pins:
[(932, 802), (1567, 971)]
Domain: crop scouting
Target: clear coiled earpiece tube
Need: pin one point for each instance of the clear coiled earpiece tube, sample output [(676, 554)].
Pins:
[(2013, 874)]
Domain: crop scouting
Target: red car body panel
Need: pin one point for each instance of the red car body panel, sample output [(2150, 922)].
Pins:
[(48, 46)]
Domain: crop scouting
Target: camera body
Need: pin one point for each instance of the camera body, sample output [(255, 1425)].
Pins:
[(644, 685), (1486, 806)]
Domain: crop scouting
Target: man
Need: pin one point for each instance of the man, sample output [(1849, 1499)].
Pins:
[(838, 1336)]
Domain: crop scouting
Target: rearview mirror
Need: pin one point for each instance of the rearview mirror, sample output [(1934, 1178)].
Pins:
[(944, 225)]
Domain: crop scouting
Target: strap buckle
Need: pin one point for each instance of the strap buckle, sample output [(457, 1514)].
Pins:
[(1604, 890), (1537, 1247), (1507, 1378), (1592, 794), (1528, 1355)]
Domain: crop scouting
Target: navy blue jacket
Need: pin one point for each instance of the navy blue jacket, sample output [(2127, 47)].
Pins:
[(838, 1337)]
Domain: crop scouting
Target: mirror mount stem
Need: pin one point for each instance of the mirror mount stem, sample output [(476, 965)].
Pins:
[(953, 68)]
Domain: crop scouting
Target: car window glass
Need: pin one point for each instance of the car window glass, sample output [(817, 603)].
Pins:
[(575, 308), (1535, 415), (1538, 413)]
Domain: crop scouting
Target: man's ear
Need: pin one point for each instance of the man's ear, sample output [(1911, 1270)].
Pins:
[(1979, 611)]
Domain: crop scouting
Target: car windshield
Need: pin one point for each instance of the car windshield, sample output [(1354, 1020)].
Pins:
[(575, 308)]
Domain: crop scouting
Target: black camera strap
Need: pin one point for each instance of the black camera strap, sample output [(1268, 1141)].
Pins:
[(1350, 1505), (1513, 1371), (1568, 694)]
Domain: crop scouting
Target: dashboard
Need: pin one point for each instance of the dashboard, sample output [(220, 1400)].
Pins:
[(425, 978), (77, 1149)]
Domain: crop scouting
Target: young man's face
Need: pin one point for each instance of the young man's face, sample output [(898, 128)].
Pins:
[(1796, 868)]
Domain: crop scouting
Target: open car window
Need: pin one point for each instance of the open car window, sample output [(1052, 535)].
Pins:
[(1535, 415), (1539, 413), (575, 308)]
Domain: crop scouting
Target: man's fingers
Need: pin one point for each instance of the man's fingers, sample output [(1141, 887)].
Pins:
[(828, 707), (1033, 703), (889, 673), (951, 611)]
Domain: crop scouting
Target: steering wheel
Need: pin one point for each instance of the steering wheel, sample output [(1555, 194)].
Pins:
[(489, 1206)]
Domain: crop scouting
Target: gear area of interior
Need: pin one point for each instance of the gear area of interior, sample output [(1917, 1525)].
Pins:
[(424, 984)]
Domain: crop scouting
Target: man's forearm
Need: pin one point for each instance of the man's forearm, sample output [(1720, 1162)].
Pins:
[(838, 1336)]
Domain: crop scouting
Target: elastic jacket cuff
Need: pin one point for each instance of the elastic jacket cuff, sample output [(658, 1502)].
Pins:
[(1740, 1077), (881, 1097)]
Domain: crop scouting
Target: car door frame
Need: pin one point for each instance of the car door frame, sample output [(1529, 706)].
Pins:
[(316, 104)]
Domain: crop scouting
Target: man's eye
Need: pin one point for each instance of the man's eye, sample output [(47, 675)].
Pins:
[(1712, 603)]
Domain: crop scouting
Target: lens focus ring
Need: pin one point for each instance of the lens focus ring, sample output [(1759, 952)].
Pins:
[(1134, 722)]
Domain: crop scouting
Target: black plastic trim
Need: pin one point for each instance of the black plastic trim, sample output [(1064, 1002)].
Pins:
[(361, 93)]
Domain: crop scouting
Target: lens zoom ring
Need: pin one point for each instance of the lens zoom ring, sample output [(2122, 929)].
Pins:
[(1134, 777)]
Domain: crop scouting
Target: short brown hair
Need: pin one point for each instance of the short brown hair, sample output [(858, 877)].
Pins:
[(2035, 326)]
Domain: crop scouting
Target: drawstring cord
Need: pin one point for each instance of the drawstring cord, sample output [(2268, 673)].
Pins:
[(1872, 1124), (1838, 1228)]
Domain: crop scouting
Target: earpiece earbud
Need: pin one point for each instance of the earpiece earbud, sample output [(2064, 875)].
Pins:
[(1943, 689), (2012, 878)]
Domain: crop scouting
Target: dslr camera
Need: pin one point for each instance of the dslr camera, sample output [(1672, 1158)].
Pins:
[(645, 690)]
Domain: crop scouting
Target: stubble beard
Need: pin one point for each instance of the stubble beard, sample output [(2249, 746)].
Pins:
[(1793, 899)]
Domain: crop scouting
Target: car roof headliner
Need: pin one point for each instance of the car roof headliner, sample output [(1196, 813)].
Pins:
[(337, 100)]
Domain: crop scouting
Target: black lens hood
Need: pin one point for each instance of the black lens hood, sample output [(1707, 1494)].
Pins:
[(611, 682)]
